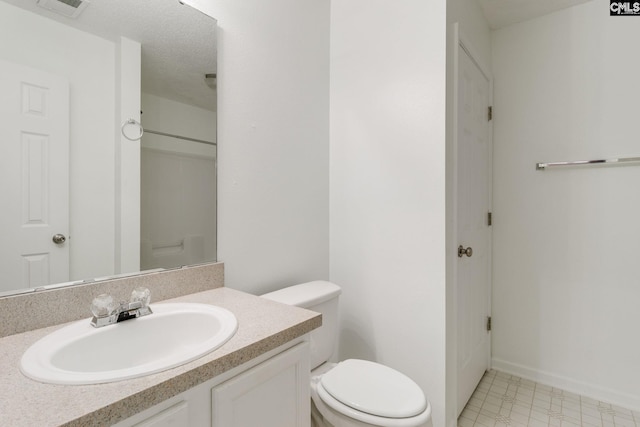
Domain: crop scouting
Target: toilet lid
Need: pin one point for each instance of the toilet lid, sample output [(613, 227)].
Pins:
[(375, 389)]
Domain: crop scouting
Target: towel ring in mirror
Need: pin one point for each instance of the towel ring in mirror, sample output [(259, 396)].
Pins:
[(132, 122)]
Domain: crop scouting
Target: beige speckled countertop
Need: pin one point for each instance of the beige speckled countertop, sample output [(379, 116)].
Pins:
[(263, 326)]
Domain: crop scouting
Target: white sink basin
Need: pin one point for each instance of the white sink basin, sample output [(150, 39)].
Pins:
[(173, 335)]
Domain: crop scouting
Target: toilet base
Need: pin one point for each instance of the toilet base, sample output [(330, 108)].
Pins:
[(317, 420)]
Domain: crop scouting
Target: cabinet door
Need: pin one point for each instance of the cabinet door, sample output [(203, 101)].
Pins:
[(272, 394)]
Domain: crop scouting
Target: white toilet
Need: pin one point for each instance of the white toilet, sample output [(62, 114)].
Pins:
[(352, 393)]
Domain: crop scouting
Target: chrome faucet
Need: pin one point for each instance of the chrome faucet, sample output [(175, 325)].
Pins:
[(107, 312)]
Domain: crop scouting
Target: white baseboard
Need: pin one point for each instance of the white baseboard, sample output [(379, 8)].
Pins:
[(603, 394)]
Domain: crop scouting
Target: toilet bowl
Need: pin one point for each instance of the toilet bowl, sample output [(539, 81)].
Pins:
[(368, 399), (354, 392)]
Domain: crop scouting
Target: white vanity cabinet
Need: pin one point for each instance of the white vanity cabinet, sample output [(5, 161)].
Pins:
[(273, 394), (269, 391)]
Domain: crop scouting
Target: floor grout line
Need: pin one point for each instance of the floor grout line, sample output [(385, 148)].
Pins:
[(536, 403)]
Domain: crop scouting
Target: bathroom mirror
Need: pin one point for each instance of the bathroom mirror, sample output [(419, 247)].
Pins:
[(127, 204)]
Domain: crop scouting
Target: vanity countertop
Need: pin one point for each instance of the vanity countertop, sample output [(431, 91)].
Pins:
[(263, 325)]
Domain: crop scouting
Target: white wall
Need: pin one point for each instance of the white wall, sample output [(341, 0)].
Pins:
[(473, 25), (387, 193), (88, 62), (168, 116), (178, 181), (127, 157), (273, 110), (566, 286)]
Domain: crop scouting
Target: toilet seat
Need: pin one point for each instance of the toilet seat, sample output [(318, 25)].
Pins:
[(373, 394)]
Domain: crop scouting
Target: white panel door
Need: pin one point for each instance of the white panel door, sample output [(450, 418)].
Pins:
[(34, 176), (473, 201)]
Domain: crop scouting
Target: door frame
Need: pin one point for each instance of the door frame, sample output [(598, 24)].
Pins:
[(461, 40)]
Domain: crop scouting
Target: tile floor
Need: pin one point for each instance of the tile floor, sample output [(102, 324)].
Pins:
[(505, 400)]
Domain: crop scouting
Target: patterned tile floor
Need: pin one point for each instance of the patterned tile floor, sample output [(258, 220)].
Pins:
[(505, 400)]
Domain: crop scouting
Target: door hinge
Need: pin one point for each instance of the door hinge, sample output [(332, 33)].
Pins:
[(488, 323), (490, 113), (489, 219)]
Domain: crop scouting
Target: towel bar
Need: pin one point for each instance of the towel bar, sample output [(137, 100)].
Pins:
[(543, 166)]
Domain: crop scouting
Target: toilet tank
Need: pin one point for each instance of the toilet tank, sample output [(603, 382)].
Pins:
[(322, 297)]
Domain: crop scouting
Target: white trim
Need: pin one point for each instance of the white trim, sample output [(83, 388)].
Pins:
[(582, 388), (454, 209)]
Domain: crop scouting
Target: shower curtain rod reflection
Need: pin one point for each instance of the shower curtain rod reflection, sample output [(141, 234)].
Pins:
[(200, 141), (142, 131)]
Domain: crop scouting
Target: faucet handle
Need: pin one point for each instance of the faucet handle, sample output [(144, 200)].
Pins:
[(142, 295), (103, 305)]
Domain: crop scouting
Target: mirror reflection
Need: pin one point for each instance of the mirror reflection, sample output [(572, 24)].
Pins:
[(85, 197)]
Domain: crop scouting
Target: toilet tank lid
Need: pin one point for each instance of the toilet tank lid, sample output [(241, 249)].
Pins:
[(305, 295)]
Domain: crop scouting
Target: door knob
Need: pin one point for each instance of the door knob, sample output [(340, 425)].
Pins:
[(59, 239), (462, 251)]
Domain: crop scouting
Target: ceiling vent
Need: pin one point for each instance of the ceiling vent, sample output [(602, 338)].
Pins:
[(68, 8)]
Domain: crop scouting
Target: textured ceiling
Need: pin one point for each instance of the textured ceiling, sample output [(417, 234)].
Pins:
[(500, 13), (178, 42)]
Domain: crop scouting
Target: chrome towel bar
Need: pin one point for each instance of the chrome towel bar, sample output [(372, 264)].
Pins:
[(543, 166)]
